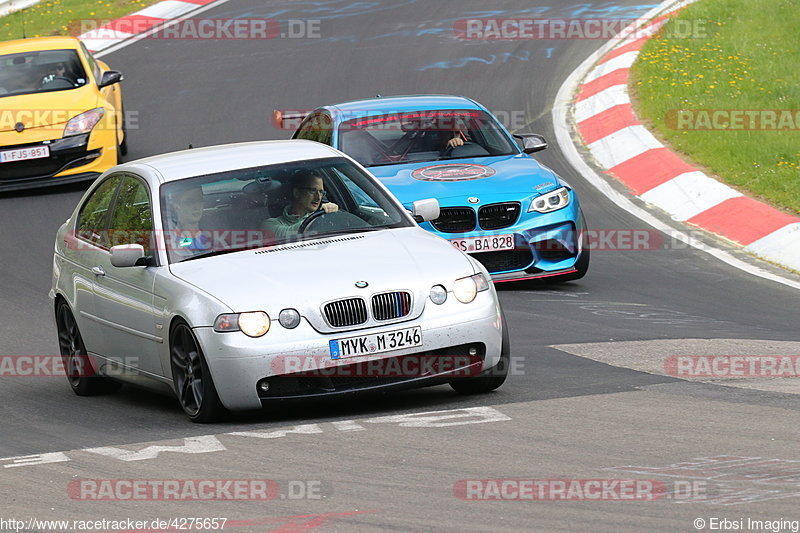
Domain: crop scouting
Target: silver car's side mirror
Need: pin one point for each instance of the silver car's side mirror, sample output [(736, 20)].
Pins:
[(425, 210), (127, 255)]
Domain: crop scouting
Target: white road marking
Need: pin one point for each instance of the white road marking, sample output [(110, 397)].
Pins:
[(212, 443), (622, 145), (304, 429), (597, 103), (621, 61), (204, 444), (689, 194), (348, 425)]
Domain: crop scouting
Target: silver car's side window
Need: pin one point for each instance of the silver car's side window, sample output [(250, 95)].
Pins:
[(132, 218), (92, 222)]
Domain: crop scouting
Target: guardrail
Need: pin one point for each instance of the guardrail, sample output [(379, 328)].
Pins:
[(9, 6)]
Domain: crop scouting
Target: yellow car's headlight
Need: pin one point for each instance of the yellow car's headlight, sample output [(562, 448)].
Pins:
[(84, 123)]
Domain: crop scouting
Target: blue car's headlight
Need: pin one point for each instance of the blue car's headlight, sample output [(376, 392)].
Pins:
[(551, 201)]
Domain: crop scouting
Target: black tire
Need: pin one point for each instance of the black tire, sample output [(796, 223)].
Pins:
[(80, 373), (122, 148), (192, 379), (491, 379)]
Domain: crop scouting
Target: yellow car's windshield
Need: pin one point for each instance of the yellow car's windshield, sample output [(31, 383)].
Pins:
[(44, 71)]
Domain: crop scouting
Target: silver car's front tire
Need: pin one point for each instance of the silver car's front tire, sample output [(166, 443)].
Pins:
[(193, 384)]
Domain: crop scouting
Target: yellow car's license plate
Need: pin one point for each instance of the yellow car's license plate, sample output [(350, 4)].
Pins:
[(21, 154)]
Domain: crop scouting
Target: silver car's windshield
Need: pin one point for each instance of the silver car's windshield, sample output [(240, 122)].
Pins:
[(423, 136), (263, 206), (44, 71)]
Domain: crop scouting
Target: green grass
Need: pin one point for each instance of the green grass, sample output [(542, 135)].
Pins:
[(63, 17), (748, 59)]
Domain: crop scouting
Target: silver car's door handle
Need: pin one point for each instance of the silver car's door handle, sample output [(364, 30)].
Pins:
[(98, 271)]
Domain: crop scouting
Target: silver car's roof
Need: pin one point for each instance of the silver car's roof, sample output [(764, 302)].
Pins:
[(213, 159)]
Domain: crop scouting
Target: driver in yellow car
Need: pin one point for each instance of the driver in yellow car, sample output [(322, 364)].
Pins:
[(307, 197)]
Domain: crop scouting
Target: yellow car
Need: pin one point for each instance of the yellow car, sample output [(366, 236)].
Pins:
[(61, 114)]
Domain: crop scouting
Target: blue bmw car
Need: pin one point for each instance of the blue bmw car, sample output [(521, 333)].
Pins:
[(498, 204)]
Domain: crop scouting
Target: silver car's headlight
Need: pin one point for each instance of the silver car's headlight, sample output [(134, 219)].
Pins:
[(252, 324), (551, 201), (466, 289)]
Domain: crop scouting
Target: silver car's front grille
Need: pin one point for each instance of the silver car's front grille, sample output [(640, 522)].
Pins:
[(391, 305), (349, 312)]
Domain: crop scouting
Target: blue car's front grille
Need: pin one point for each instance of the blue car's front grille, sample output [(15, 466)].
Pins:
[(455, 220), (498, 216), (391, 305), (505, 260)]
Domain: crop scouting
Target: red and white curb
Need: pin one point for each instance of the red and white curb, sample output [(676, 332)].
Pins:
[(114, 32), (629, 152)]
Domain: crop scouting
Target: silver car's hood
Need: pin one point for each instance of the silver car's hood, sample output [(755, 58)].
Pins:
[(305, 275)]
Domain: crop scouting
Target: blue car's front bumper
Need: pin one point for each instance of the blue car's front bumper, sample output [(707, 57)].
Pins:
[(545, 244)]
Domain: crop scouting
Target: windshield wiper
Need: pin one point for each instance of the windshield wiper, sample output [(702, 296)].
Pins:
[(212, 253)]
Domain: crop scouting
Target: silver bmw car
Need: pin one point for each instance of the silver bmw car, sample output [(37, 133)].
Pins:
[(237, 275)]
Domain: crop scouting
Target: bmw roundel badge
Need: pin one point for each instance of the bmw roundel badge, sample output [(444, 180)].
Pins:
[(361, 284)]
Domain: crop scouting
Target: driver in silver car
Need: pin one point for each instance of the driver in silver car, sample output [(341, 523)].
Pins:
[(307, 197)]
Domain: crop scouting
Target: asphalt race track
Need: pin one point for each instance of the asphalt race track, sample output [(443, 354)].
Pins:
[(581, 411)]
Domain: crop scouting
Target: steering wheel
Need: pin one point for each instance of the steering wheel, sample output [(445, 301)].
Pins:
[(468, 149), (58, 82), (321, 220), (309, 219)]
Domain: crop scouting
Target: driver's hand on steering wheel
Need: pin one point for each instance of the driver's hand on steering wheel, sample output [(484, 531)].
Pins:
[(329, 207), (455, 141)]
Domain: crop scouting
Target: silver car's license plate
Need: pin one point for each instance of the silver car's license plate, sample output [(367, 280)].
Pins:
[(376, 343), (22, 154)]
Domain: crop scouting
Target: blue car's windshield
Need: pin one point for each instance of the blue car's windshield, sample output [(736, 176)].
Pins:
[(423, 136)]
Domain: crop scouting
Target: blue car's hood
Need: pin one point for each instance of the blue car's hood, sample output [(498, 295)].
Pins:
[(451, 181)]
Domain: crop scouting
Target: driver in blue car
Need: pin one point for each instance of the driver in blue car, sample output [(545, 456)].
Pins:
[(307, 197)]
